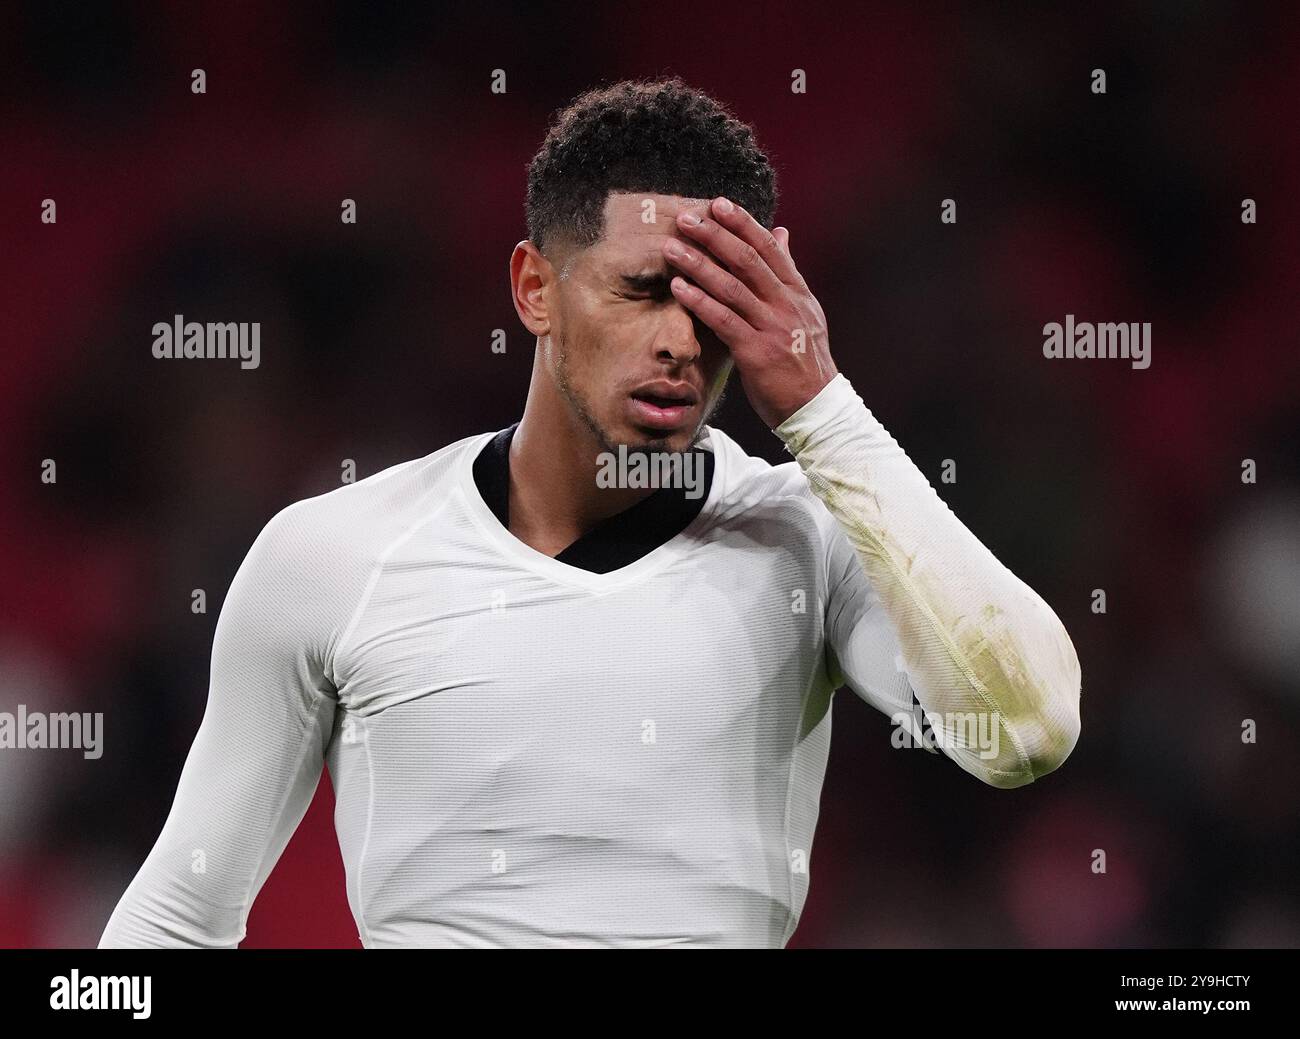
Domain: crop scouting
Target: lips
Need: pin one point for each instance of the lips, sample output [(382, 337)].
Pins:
[(662, 402), (663, 405), (667, 394)]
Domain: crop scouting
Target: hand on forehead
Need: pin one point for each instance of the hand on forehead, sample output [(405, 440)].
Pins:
[(652, 216)]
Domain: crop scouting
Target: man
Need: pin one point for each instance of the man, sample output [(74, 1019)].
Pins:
[(560, 707)]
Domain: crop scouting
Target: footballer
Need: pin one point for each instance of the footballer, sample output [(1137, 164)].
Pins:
[(559, 710)]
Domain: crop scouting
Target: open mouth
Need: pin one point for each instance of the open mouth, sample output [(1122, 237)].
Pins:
[(661, 408), (663, 402)]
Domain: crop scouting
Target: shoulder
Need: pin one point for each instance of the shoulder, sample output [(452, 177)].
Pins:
[(351, 520), (322, 549), (309, 566), (773, 504), (753, 483)]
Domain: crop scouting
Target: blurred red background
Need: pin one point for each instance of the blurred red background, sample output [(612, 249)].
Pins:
[(376, 347)]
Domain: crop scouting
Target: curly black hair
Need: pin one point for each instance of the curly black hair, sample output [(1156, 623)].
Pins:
[(659, 136)]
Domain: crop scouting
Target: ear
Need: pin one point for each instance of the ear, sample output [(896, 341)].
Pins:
[(531, 275)]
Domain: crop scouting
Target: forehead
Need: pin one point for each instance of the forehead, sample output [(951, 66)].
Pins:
[(640, 220)]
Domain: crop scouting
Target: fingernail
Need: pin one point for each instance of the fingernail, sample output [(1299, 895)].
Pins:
[(690, 219), (725, 206)]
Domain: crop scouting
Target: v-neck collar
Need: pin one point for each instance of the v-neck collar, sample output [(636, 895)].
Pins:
[(566, 573)]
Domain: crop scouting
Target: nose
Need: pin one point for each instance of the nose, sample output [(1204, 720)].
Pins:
[(681, 337)]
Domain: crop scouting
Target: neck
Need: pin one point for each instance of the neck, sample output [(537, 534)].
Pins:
[(554, 498)]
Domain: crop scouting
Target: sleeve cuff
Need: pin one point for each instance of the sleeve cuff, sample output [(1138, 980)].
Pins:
[(836, 399)]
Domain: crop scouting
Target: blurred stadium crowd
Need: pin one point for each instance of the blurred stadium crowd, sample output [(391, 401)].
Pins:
[(1080, 475)]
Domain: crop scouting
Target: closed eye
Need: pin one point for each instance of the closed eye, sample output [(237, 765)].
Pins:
[(646, 286)]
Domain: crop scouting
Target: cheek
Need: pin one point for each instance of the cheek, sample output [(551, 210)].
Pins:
[(613, 335), (595, 352)]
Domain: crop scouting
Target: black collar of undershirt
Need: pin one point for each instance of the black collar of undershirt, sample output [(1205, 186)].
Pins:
[(613, 543)]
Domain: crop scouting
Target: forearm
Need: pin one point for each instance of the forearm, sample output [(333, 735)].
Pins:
[(257, 758), (989, 660), (241, 795)]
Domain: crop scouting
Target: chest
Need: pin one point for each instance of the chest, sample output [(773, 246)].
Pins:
[(725, 634)]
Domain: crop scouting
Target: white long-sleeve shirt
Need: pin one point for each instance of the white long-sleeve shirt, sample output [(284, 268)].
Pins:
[(526, 753)]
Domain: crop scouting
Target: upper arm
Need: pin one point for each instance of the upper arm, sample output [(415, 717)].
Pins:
[(862, 647)]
